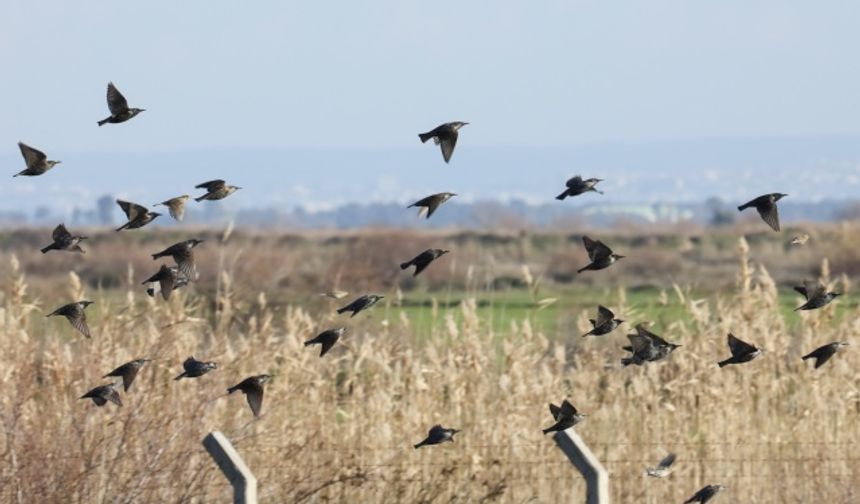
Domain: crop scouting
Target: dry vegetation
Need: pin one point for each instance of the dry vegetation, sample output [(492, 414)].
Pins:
[(341, 428)]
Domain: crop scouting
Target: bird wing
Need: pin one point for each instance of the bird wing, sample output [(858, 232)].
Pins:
[(770, 214), (436, 432), (596, 249), (604, 315), (802, 290), (184, 258), (448, 143), (668, 461), (822, 355), (212, 185), (115, 100), (79, 322), (128, 372), (574, 182), (33, 157), (432, 203), (61, 234), (638, 342), (813, 289), (567, 410), (189, 364), (176, 207), (113, 396), (132, 210), (167, 281), (739, 347), (554, 411), (254, 395)]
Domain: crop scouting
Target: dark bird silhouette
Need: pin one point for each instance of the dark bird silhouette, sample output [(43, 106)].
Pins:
[(577, 186), (605, 322), (431, 203), (824, 353), (706, 494), (64, 240), (176, 206), (215, 190), (102, 394), (167, 279), (422, 260), (74, 313), (362, 303), (326, 339), (444, 135), (253, 389), (118, 105), (816, 295), (437, 435), (766, 207), (646, 346), (128, 372), (194, 368), (138, 215), (36, 160), (565, 417), (741, 352), (183, 254), (599, 254), (664, 468)]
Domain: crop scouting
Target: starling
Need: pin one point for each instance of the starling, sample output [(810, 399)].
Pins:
[(176, 206), (565, 417), (64, 240), (816, 295), (154, 287), (706, 494), (423, 260), (138, 215), (362, 303), (74, 312), (599, 254), (741, 352), (605, 322), (577, 186), (664, 468), (253, 389), (335, 294), (119, 109), (37, 161), (128, 372), (215, 190), (431, 203), (766, 206), (195, 368), (444, 135), (800, 239), (326, 339), (102, 394), (823, 354), (167, 279), (183, 254), (646, 346), (437, 435)]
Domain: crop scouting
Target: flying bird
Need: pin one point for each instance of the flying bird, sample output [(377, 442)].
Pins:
[(183, 254), (253, 389), (577, 186), (118, 105), (741, 351), (36, 160), (438, 435), (176, 206), (74, 313), (64, 240), (335, 294), (422, 260), (431, 203), (800, 239), (646, 346), (824, 353), (565, 417), (168, 279), (444, 135), (706, 494), (816, 295), (664, 468), (138, 215), (194, 368), (128, 372), (605, 322), (215, 190), (362, 303), (766, 207), (102, 394), (599, 254), (326, 339)]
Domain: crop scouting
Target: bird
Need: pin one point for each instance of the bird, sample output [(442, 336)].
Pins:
[(741, 352), (138, 215), (444, 135), (253, 389), (183, 254), (565, 417), (605, 322), (646, 346), (599, 254), (824, 353), (334, 294), (154, 287), (326, 339), (431, 203), (167, 279), (816, 295), (176, 206), (194, 368), (64, 240), (664, 468), (118, 105), (705, 494), (766, 207), (215, 190), (422, 260), (577, 186), (363, 303), (128, 372), (800, 239), (74, 313), (437, 435), (36, 160), (104, 393)]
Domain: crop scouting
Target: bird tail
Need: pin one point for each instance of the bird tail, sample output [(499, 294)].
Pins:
[(405, 265), (419, 445), (180, 376), (424, 137), (122, 227), (547, 431), (724, 363), (585, 268), (49, 247), (201, 198), (104, 121), (626, 361), (562, 196), (807, 357), (232, 389), (341, 310), (156, 256), (309, 342), (743, 207), (587, 334)]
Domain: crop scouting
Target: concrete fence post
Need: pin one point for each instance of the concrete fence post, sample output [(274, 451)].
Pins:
[(231, 464), (596, 477)]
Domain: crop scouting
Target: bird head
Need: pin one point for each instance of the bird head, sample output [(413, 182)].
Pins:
[(52, 163), (619, 321), (376, 297), (442, 252), (86, 303), (340, 331), (778, 196), (458, 124), (184, 197), (154, 214), (233, 188), (594, 180), (135, 111), (142, 361), (673, 347), (618, 256), (842, 344), (211, 365), (263, 378), (448, 195), (194, 242)]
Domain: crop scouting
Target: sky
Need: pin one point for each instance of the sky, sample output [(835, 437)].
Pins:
[(344, 80)]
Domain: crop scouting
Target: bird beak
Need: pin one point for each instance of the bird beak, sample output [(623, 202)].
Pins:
[(465, 123), (620, 257), (59, 162)]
